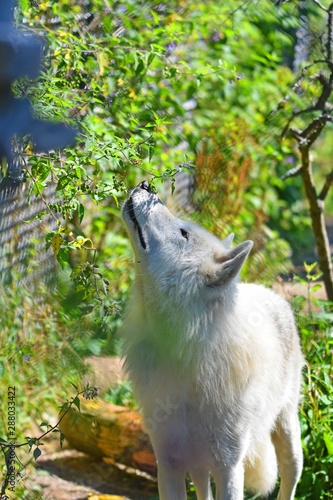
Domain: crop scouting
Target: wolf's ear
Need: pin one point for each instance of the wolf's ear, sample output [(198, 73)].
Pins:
[(228, 240), (228, 265)]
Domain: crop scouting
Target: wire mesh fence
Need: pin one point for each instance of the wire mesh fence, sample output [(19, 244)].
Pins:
[(21, 230), (22, 235)]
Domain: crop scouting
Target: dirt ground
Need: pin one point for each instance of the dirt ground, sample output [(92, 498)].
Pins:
[(72, 475), (68, 474)]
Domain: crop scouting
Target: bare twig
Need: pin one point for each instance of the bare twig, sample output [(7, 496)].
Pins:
[(293, 172), (329, 33), (296, 86), (313, 130), (293, 116), (321, 103), (320, 5), (326, 187)]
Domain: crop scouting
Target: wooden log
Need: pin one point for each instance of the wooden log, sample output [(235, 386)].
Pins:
[(105, 430)]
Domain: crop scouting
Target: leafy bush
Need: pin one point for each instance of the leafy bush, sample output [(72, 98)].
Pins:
[(122, 395), (147, 104), (36, 356), (316, 331)]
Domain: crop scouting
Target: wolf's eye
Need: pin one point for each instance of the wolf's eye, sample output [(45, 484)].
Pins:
[(184, 234)]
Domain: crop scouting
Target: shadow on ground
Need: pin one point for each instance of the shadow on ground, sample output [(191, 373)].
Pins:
[(72, 475)]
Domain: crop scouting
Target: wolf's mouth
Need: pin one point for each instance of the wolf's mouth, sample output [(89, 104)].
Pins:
[(135, 222)]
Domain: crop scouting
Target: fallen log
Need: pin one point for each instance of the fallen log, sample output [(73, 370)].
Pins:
[(105, 430)]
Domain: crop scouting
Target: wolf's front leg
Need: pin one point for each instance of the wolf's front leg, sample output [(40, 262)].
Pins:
[(287, 442), (171, 482), (230, 482), (201, 481)]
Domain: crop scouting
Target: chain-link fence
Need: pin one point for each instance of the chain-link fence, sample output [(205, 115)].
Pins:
[(22, 243), (21, 230)]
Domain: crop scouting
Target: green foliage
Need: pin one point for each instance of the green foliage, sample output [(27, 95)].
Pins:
[(37, 355), (148, 83), (10, 449), (155, 88), (316, 414), (28, 328), (121, 395), (315, 323)]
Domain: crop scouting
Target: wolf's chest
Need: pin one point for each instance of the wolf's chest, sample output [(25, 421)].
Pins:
[(188, 432)]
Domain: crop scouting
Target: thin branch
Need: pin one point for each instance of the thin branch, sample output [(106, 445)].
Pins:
[(326, 187), (313, 130), (320, 5), (320, 104), (294, 115), (326, 90), (296, 86), (296, 133), (293, 172), (329, 33), (241, 7)]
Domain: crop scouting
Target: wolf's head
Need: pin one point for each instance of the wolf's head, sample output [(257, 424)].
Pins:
[(173, 253)]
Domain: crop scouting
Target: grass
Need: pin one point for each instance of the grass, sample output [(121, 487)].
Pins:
[(37, 360), (316, 415)]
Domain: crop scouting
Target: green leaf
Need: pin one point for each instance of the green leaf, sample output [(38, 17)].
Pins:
[(37, 453), (94, 346), (328, 442), (151, 149), (61, 439), (103, 59), (64, 407), (309, 267), (150, 58), (63, 182), (24, 4), (63, 257), (49, 238), (44, 424), (80, 211), (2, 369), (75, 417), (31, 442), (325, 400), (76, 402), (140, 67)]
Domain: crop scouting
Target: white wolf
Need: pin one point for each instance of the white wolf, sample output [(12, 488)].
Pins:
[(215, 365)]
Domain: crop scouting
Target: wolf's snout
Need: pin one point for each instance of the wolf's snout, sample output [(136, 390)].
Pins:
[(145, 185)]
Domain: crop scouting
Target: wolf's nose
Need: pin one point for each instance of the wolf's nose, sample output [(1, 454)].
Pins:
[(145, 185)]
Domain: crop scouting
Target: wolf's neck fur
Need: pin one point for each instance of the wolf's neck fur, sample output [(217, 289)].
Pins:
[(189, 330), (194, 339)]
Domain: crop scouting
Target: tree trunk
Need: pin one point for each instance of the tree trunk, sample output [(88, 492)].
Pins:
[(106, 430), (318, 222)]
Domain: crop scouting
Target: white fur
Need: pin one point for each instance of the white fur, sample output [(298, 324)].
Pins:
[(215, 365)]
